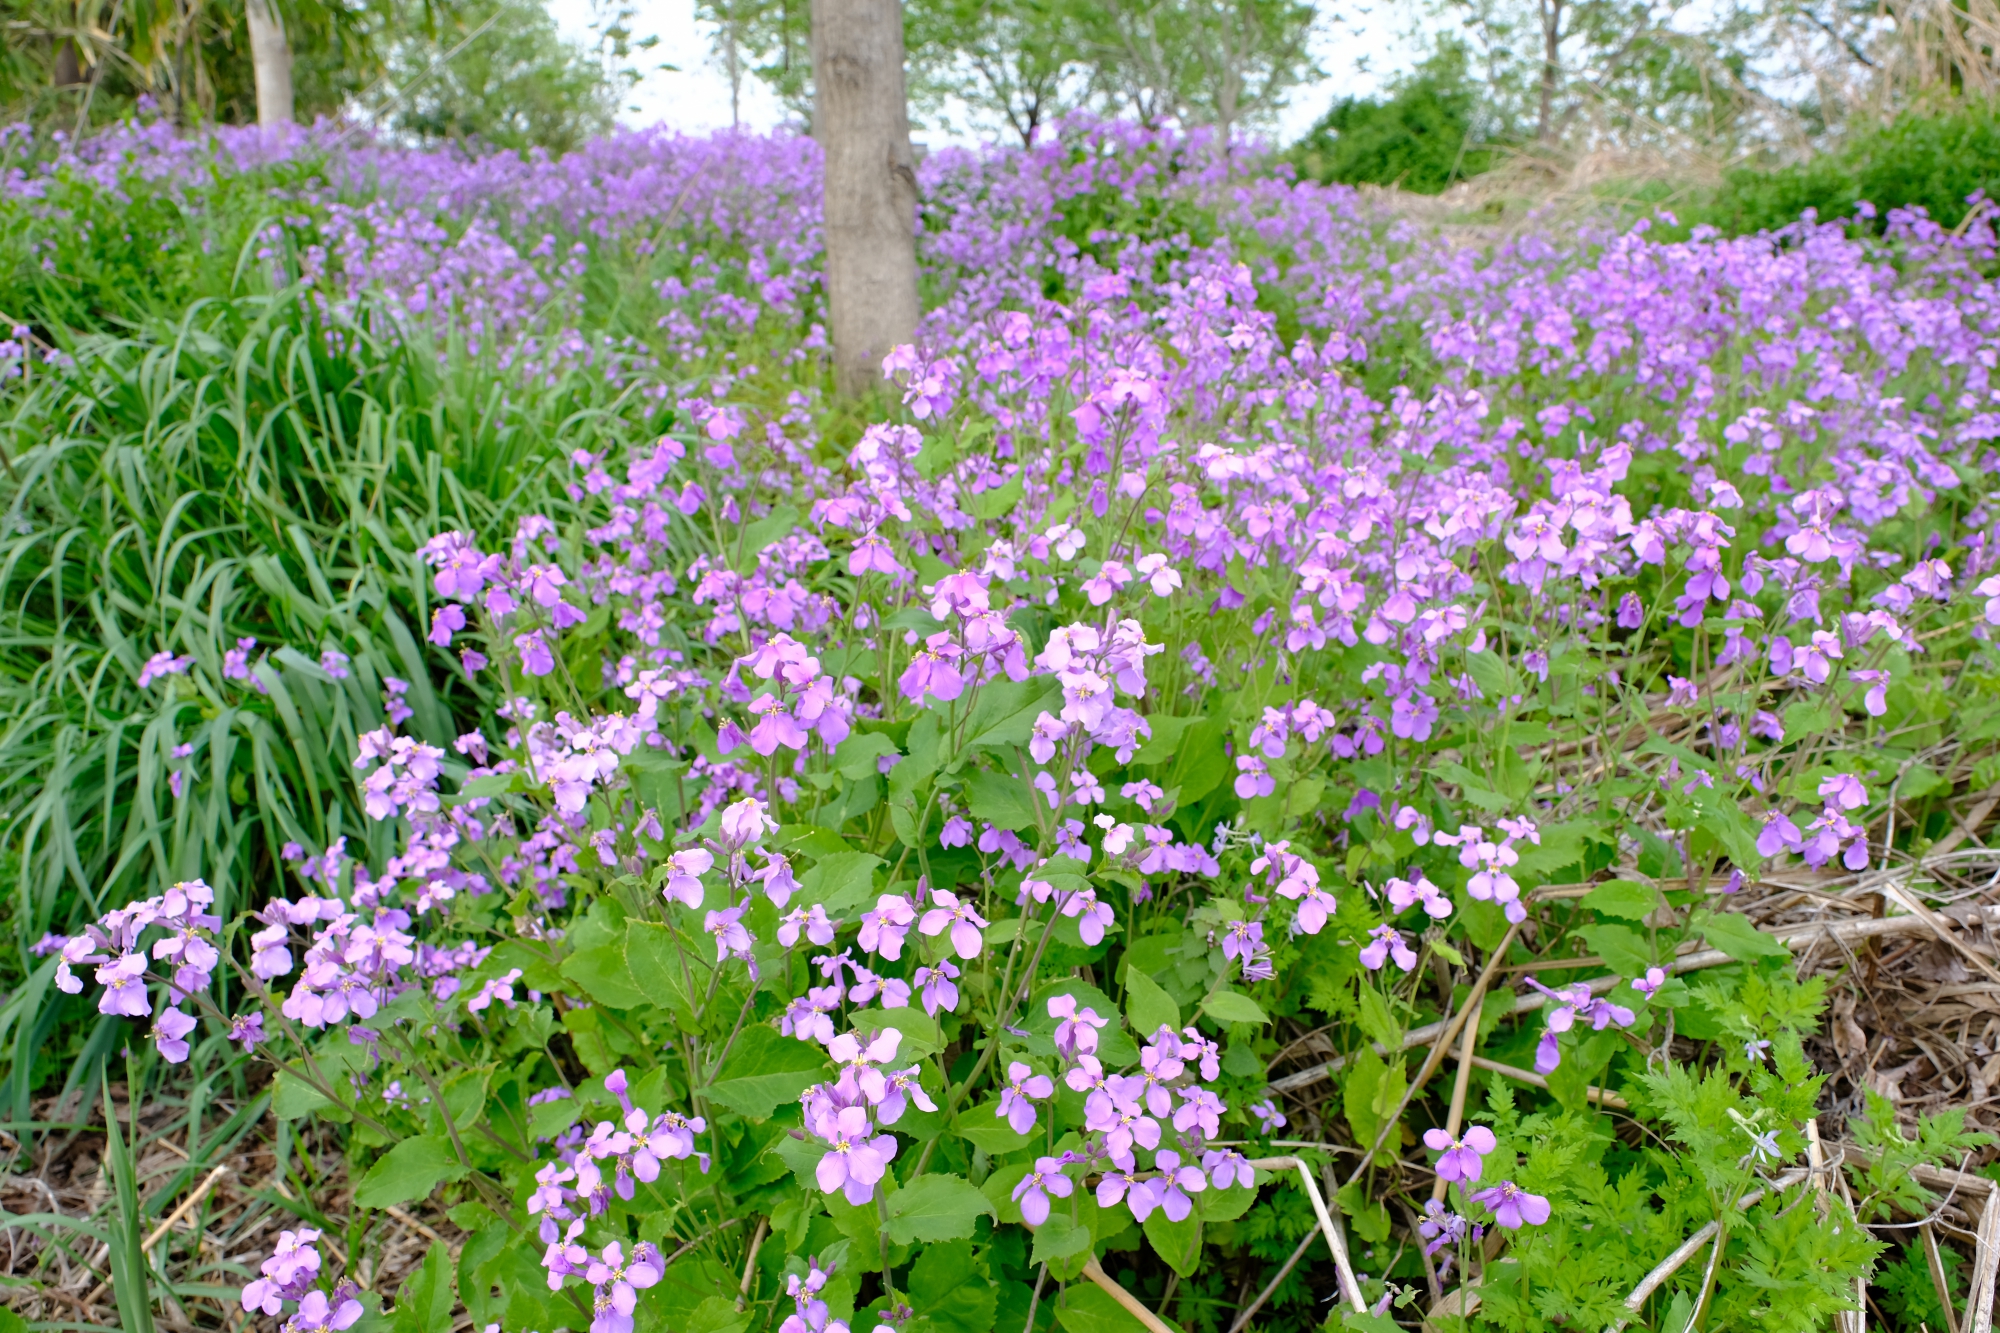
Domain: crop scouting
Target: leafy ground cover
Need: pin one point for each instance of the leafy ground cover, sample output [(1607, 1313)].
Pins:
[(1286, 770)]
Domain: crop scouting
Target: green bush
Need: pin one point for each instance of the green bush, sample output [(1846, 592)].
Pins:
[(1933, 161), (1422, 137)]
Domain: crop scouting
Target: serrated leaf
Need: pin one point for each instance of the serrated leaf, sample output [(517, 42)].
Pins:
[(1178, 1243), (951, 1287), (934, 1208), (1001, 801), (765, 1069), (1059, 1238), (1623, 949), (1732, 933), (841, 881), (293, 1099), (424, 1304), (1623, 898), (1230, 1006), (857, 755), (410, 1170), (603, 975)]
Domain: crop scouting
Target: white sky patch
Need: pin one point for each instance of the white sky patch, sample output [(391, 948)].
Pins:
[(1359, 51)]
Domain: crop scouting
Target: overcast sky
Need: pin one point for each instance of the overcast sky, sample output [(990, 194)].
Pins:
[(696, 95)]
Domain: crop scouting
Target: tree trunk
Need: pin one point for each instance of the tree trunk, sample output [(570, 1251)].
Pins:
[(1552, 36), (870, 183), (271, 59)]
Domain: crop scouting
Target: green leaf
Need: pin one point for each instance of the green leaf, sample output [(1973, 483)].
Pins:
[(856, 756), (1369, 1215), (1201, 763), (1059, 1238), (756, 536), (654, 963), (998, 502), (1179, 1243), (1001, 801), (1220, 1205), (410, 1170), (1165, 742), (841, 881), (935, 1208), (292, 1098), (1148, 1005), (985, 1130), (920, 1031), (604, 975), (1807, 718), (951, 1287), (764, 1070), (1230, 1006), (1623, 898), (490, 784), (1087, 1308), (1372, 1090), (1732, 933), (1377, 1020), (1623, 949), (424, 1305), (1004, 719), (716, 1314)]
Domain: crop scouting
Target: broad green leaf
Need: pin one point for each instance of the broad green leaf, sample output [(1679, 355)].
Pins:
[(657, 967), (998, 502), (951, 1288), (993, 730), (605, 977), (934, 1208), (410, 1170), (920, 1031), (717, 1314), (1231, 1006), (1377, 1020), (1732, 933), (1219, 1205), (856, 756), (841, 881), (424, 1305), (1178, 1243), (756, 536), (1369, 1215), (1058, 1239), (1201, 763), (982, 1127), (1165, 742), (1086, 1308), (1001, 801), (294, 1099), (1623, 898), (1624, 950), (765, 1069)]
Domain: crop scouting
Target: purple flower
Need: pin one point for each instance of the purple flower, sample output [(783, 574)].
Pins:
[(1650, 984), (938, 988), (854, 1161), (618, 1285), (1269, 1117), (1024, 1088), (317, 1314), (1385, 940), (962, 918), (124, 982), (170, 1032), (1034, 1189), (1512, 1206), (1462, 1157), (536, 659)]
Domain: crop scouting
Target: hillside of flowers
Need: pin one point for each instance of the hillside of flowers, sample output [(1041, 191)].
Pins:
[(1288, 770)]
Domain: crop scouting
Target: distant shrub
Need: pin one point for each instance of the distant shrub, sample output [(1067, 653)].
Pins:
[(1423, 136), (1931, 160)]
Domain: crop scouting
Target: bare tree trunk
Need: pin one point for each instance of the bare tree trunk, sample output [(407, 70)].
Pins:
[(271, 60), (870, 185), (1551, 13)]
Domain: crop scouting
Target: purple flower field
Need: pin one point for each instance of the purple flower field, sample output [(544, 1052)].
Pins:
[(1026, 849)]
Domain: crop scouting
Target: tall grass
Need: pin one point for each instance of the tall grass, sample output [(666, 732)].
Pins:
[(257, 469)]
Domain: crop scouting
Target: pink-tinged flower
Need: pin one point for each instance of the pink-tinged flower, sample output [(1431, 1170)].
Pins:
[(1227, 1168), (618, 1285), (161, 665), (1384, 942), (536, 659), (963, 920), (812, 922), (1093, 917), (1077, 1031), (854, 1162), (446, 621), (1404, 894), (1845, 790), (1269, 1117), (684, 871), (1163, 577), (1034, 1189), (1462, 1157), (903, 1086), (124, 982), (934, 671), (883, 930), (1631, 612), (1681, 692), (1024, 1088), (938, 988), (1650, 984), (1253, 777), (745, 822), (859, 1078), (872, 553), (170, 1032), (246, 1030), (1573, 1004), (1876, 700), (1778, 834), (1512, 1206), (318, 1313)]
